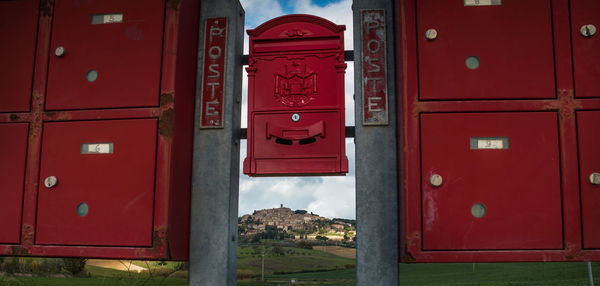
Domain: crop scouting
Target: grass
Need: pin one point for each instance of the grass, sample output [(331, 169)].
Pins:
[(498, 274), (302, 261), (293, 260), (157, 264)]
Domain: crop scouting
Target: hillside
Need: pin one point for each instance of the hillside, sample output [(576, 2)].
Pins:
[(282, 222)]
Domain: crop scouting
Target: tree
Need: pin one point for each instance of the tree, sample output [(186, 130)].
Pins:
[(74, 265), (278, 250)]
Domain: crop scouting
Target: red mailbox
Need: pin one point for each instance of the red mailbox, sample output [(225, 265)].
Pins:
[(96, 153), (296, 98), (499, 130)]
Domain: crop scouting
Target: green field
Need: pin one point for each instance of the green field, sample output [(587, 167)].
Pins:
[(289, 260), (499, 274), (299, 264)]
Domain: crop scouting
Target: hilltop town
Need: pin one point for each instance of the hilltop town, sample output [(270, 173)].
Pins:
[(283, 222)]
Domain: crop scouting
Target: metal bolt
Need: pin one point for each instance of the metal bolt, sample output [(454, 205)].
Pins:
[(50, 182), (431, 34), (295, 117), (435, 180), (587, 30), (60, 51), (595, 178)]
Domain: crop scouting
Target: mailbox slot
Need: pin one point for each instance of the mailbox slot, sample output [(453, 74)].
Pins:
[(13, 150), (103, 193), (280, 141), (501, 193)]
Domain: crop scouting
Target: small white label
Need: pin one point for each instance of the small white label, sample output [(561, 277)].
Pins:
[(97, 148), (483, 2), (490, 144), (107, 18)]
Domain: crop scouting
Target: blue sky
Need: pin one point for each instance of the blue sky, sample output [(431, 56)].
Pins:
[(326, 196)]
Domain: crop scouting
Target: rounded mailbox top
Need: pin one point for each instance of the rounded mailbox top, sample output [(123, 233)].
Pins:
[(296, 25)]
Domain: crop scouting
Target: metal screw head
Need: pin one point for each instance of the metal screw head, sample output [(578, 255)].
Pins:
[(587, 30), (295, 117), (60, 51), (436, 180), (50, 182), (595, 178), (431, 34)]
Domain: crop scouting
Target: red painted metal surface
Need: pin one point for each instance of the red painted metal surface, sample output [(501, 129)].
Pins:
[(126, 54), (162, 118), (213, 73), (586, 49), (18, 27), (500, 37), (518, 187), (296, 98), (116, 185), (13, 147), (285, 143), (374, 71), (588, 127), (544, 115)]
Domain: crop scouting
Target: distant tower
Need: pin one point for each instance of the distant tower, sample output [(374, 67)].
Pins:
[(281, 206)]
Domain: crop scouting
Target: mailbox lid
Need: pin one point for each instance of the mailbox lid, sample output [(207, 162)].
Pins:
[(586, 49), (588, 128), (105, 189), (18, 32), (13, 151), (281, 33), (112, 54), (314, 144), (297, 81), (510, 43), (513, 180)]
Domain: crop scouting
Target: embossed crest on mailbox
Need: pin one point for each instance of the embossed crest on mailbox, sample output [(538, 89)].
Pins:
[(296, 98)]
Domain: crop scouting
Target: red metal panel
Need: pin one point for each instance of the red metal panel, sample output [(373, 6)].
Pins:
[(588, 125), (124, 52), (13, 149), (586, 47), (296, 82), (415, 245), (519, 187), (117, 186), (296, 98), (166, 230), (18, 27), (186, 17), (512, 43), (283, 145)]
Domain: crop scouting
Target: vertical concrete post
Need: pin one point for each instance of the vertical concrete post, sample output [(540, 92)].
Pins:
[(376, 158), (214, 205)]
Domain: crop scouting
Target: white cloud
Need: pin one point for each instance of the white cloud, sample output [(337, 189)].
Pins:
[(339, 13), (327, 196), (260, 11)]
